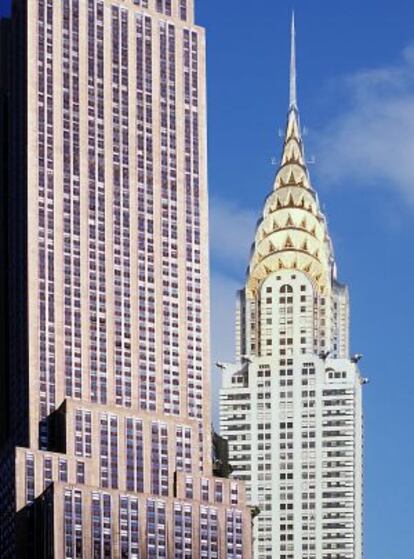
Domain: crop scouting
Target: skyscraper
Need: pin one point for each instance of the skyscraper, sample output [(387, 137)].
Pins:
[(106, 447), (291, 405)]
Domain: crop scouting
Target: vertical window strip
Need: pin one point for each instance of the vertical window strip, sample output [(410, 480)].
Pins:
[(83, 433), (234, 534), (47, 471), (234, 493), (30, 478), (80, 472), (73, 527), (209, 544), (179, 449), (109, 451), (183, 531), (68, 524), (101, 525), (169, 220), (188, 460), (121, 206), (204, 489), (135, 455), (183, 449), (218, 492), (189, 488), (71, 203), (46, 238), (159, 459), (156, 530), (164, 7), (336, 403), (96, 210), (193, 233), (63, 470), (129, 528), (145, 225), (183, 10)]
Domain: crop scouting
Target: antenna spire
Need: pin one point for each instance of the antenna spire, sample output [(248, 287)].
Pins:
[(293, 88)]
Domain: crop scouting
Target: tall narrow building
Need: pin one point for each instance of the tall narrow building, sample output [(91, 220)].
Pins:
[(106, 447), (291, 404)]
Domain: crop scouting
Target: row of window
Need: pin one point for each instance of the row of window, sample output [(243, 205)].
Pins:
[(152, 515)]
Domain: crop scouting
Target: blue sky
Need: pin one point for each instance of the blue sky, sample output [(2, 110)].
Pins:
[(356, 96)]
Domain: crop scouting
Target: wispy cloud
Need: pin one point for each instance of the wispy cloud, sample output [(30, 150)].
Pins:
[(371, 142), (231, 233)]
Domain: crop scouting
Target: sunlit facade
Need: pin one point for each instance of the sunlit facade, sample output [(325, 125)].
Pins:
[(106, 427)]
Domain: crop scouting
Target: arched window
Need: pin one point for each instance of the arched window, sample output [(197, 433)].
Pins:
[(286, 289)]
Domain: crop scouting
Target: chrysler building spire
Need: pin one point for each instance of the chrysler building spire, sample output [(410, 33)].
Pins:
[(293, 88), (293, 233), (293, 150), (293, 156)]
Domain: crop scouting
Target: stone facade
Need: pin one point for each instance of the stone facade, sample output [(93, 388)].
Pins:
[(108, 434)]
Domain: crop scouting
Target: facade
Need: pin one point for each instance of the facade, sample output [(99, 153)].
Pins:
[(290, 407), (106, 447)]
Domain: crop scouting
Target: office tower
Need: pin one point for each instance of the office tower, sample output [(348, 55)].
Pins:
[(105, 432), (291, 405)]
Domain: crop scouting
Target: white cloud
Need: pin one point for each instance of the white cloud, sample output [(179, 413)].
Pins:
[(231, 232), (371, 142)]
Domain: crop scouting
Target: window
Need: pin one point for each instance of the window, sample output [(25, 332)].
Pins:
[(286, 289)]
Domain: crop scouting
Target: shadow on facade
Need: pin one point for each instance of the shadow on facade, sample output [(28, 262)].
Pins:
[(35, 528)]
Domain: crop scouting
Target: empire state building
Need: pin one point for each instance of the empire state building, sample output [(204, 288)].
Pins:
[(105, 429), (291, 406)]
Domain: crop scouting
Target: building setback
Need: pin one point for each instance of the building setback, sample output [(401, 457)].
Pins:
[(290, 407), (106, 447)]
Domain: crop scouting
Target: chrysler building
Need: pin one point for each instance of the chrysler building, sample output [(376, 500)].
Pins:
[(290, 406)]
